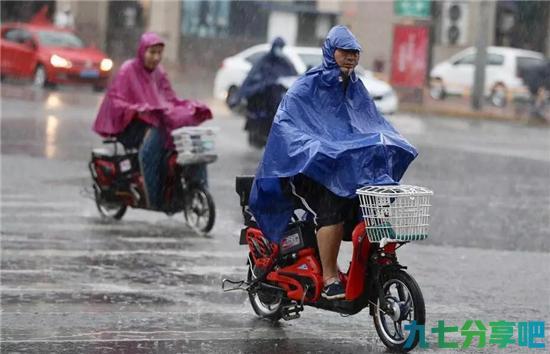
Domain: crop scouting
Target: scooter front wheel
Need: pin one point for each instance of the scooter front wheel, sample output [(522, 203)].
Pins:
[(200, 210), (403, 296), (109, 210)]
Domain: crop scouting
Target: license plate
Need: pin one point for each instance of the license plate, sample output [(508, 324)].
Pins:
[(125, 165), (89, 74)]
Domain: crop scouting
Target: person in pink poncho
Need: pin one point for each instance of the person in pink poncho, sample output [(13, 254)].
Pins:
[(140, 109)]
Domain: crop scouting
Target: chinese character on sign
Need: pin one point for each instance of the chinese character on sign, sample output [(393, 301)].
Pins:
[(412, 8), (528, 332), (414, 330), (469, 333), (409, 63), (502, 333), (441, 330)]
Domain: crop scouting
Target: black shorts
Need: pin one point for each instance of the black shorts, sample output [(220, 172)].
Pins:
[(326, 207)]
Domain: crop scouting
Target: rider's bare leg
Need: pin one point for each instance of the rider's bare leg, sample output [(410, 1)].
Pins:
[(328, 240)]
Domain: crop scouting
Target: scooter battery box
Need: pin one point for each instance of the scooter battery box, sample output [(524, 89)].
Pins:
[(299, 235), (292, 241)]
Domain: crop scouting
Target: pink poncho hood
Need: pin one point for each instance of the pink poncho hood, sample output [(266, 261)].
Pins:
[(136, 90)]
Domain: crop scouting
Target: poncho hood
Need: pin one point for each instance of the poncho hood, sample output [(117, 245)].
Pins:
[(339, 37), (148, 39), (266, 72)]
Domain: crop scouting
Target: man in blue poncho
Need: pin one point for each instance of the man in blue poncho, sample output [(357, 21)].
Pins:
[(263, 93), (327, 140)]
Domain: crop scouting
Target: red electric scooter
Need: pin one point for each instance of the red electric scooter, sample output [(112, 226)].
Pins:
[(284, 277), (118, 182)]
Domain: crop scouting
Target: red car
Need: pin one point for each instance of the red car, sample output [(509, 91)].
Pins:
[(50, 55)]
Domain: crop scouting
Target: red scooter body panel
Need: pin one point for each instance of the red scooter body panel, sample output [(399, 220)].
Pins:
[(264, 253), (306, 266), (358, 267), (105, 171), (171, 177)]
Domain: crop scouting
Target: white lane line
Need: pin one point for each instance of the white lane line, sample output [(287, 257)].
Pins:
[(93, 239), (82, 226), (199, 270), (217, 335), (206, 254), (114, 289), (30, 271), (222, 270), (39, 204), (8, 196)]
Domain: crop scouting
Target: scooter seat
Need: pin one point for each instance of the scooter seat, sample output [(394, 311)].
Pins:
[(101, 152)]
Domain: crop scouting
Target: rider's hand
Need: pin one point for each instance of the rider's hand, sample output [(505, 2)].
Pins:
[(234, 101), (143, 108), (146, 108)]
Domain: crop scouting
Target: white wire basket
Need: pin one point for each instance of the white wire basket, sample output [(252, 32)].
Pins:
[(395, 213), (195, 145)]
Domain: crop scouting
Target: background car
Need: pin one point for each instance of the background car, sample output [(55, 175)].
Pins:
[(50, 55), (234, 70), (502, 74)]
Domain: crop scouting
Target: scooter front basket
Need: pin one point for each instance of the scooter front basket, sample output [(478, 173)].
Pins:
[(195, 145), (398, 213)]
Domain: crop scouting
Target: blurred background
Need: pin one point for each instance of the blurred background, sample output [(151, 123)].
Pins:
[(410, 44)]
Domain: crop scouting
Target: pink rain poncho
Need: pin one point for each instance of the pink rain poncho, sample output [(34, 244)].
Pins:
[(136, 91)]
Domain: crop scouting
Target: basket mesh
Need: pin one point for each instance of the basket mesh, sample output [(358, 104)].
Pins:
[(195, 145), (395, 213)]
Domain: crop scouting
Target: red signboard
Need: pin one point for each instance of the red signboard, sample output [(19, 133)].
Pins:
[(410, 56)]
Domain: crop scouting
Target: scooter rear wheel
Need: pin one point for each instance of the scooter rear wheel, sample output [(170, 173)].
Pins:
[(109, 210), (266, 304), (405, 298)]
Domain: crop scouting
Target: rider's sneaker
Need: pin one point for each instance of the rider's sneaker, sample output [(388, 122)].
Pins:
[(334, 291)]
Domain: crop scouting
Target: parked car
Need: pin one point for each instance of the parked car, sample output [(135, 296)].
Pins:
[(503, 74), (234, 70), (50, 55)]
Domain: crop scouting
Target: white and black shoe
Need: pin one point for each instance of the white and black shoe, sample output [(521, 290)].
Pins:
[(334, 291)]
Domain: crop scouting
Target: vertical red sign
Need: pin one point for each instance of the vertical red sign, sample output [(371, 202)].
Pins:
[(409, 56)]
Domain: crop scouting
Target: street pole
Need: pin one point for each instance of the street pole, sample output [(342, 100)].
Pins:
[(481, 57)]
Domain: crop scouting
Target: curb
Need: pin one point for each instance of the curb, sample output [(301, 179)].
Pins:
[(458, 113)]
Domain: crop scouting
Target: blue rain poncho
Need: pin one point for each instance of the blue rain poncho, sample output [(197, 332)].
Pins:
[(334, 136), (267, 71)]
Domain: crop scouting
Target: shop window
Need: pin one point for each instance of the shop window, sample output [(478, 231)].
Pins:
[(206, 18)]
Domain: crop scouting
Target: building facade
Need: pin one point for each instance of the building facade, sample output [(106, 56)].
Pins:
[(200, 33)]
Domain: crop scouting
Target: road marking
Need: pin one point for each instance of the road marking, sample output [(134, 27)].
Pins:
[(39, 204), (193, 254), (8, 196)]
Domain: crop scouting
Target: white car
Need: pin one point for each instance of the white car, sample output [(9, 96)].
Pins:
[(502, 74), (234, 70)]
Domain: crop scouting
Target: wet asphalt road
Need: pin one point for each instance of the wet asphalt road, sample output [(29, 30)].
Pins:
[(72, 283)]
